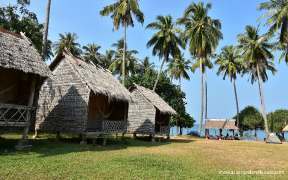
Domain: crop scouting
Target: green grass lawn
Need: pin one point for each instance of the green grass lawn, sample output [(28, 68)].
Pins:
[(139, 159)]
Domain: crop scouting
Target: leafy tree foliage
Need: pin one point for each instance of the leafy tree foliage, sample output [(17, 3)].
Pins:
[(18, 19), (250, 118), (278, 120)]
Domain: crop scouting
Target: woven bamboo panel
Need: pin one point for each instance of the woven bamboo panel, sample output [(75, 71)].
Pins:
[(14, 115), (113, 126), (164, 130)]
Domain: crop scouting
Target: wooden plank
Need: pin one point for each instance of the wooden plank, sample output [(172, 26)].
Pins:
[(11, 124)]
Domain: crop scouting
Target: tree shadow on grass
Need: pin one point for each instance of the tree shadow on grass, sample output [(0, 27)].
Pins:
[(50, 146)]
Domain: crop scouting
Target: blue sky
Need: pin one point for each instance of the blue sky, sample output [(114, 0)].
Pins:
[(82, 17)]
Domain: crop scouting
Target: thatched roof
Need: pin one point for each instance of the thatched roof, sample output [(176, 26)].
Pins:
[(220, 124), (155, 99), (17, 52), (285, 129), (99, 80)]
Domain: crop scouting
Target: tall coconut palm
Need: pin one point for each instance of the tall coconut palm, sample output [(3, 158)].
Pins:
[(122, 12), (203, 34), (277, 19), (166, 41), (230, 65), (257, 58), (91, 53), (46, 29), (206, 64), (178, 68), (67, 41)]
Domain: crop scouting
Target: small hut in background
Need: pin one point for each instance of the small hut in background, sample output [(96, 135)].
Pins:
[(81, 98), (22, 71), (148, 113), (220, 124)]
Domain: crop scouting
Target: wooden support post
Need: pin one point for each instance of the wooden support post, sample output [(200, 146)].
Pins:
[(84, 139), (94, 141), (35, 136), (152, 137), (134, 135), (23, 142), (58, 136), (104, 141), (168, 137)]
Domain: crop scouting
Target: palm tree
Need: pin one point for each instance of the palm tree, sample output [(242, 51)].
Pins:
[(122, 12), (277, 19), (68, 41), (145, 66), (166, 41), (206, 64), (107, 59), (91, 53), (46, 29), (178, 68), (230, 65), (257, 60), (130, 62), (203, 34)]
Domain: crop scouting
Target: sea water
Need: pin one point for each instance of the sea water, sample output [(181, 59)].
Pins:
[(247, 135)]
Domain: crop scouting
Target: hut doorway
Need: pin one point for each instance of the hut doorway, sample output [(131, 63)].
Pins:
[(99, 110), (105, 115), (14, 87), (162, 123)]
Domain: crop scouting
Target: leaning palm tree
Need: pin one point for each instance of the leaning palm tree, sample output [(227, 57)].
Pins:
[(67, 41), (230, 64), (203, 34), (178, 68), (46, 29), (257, 60), (91, 53), (166, 41), (277, 19), (122, 12)]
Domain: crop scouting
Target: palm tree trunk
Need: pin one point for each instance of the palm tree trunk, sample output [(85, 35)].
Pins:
[(261, 93), (159, 73), (206, 96), (177, 123), (124, 55), (202, 98), (236, 101), (46, 30)]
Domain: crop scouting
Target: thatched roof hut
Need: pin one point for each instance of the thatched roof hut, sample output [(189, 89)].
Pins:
[(148, 112), (81, 97), (228, 124), (22, 72)]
